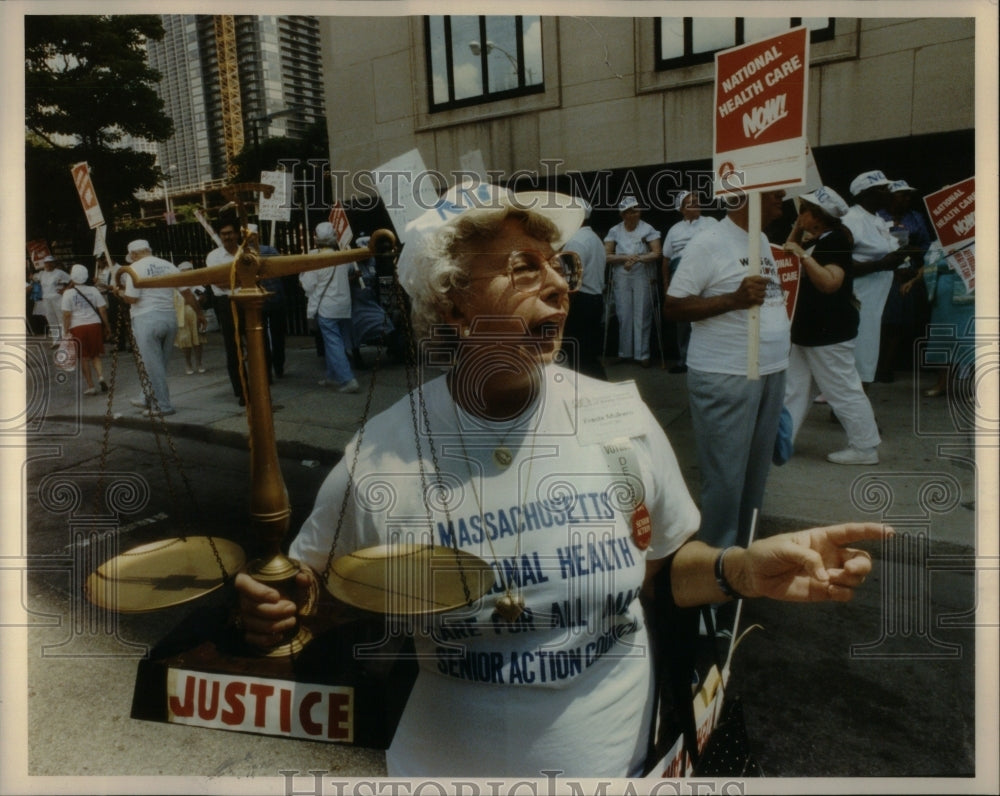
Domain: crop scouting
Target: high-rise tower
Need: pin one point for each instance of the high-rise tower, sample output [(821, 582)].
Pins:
[(227, 79)]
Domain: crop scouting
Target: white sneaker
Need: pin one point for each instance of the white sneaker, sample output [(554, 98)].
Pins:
[(854, 456), (350, 386), (140, 402)]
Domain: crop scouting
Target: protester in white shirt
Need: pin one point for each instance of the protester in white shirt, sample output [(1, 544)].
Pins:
[(735, 419), (328, 291), (631, 247), (876, 255), (85, 316), (53, 280), (154, 323)]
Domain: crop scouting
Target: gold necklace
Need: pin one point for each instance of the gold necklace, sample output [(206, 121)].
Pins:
[(509, 605)]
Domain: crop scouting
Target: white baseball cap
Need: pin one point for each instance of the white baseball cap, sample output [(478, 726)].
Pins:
[(564, 211), (627, 204), (79, 274), (866, 180), (900, 185), (828, 199), (134, 248)]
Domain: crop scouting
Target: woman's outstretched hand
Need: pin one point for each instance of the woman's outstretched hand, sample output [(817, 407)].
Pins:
[(814, 565)]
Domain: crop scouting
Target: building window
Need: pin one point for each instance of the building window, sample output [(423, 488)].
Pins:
[(683, 41), (478, 59)]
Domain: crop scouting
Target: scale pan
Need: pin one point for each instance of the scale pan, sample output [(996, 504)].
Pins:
[(162, 574), (409, 579)]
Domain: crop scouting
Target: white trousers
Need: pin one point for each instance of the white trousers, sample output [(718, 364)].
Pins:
[(872, 291), (833, 369), (634, 307)]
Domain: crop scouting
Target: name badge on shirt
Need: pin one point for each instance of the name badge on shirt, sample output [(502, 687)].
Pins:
[(608, 413)]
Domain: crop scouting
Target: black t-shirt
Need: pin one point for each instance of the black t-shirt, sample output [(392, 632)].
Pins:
[(826, 318)]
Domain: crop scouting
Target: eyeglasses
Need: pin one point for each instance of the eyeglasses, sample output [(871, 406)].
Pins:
[(526, 270)]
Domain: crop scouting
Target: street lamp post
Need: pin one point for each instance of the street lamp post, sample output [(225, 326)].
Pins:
[(477, 49)]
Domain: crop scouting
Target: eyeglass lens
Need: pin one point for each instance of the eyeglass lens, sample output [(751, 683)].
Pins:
[(528, 269)]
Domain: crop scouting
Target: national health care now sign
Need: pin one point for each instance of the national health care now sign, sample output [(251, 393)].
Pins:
[(952, 211), (759, 123)]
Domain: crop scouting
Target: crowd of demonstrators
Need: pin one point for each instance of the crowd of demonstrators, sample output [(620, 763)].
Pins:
[(906, 306), (191, 336), (52, 281), (154, 323), (84, 313), (230, 235), (328, 293), (493, 277), (825, 327), (674, 242), (735, 419), (633, 247), (584, 326)]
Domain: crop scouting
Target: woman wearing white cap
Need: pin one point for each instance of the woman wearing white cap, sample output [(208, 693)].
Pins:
[(85, 315), (825, 327), (631, 247), (551, 669), (876, 255)]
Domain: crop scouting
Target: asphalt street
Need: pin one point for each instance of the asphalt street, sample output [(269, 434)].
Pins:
[(884, 687)]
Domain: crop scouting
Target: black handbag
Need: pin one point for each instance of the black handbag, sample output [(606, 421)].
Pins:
[(727, 752)]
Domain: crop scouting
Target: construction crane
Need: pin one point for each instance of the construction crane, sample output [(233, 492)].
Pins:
[(229, 90)]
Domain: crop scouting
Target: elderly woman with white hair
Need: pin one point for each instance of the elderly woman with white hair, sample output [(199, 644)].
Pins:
[(85, 316), (571, 494)]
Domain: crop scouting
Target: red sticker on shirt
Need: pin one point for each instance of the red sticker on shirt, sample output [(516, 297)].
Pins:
[(642, 527)]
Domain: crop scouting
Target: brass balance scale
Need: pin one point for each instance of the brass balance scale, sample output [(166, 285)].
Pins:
[(146, 578)]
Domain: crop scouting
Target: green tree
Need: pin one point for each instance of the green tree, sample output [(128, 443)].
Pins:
[(268, 152), (88, 85)]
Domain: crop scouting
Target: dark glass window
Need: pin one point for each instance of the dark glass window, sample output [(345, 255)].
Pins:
[(477, 59), (683, 41)]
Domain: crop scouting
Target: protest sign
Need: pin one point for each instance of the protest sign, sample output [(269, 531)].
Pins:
[(952, 211), (759, 121), (88, 197), (790, 274), (38, 250), (277, 206), (406, 189), (341, 226)]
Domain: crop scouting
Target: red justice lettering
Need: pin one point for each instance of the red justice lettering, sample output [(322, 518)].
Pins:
[(273, 707)]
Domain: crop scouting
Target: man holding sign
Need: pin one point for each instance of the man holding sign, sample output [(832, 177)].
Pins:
[(735, 419)]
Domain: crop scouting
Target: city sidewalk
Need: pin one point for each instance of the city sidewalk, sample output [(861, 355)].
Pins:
[(925, 481)]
